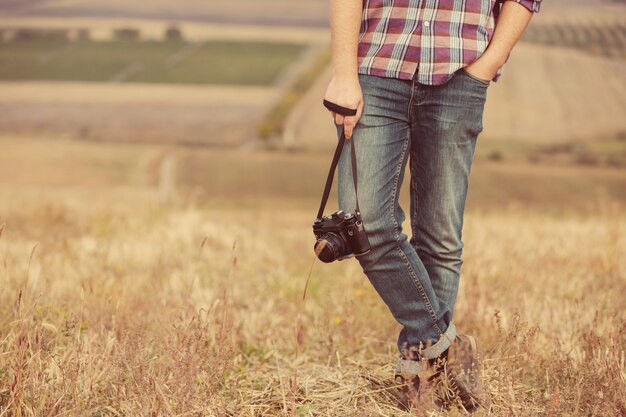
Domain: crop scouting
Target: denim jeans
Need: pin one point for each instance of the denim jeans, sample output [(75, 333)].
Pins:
[(433, 128)]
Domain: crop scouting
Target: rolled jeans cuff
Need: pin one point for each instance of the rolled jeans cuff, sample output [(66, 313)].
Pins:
[(442, 345), (414, 367)]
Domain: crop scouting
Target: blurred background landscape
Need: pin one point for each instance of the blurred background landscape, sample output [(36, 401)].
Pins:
[(205, 81), (160, 167)]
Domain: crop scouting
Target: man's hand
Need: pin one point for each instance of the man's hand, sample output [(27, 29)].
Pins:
[(512, 22), (486, 66), (346, 92)]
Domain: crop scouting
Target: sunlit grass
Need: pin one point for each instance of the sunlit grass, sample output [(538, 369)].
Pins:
[(197, 311)]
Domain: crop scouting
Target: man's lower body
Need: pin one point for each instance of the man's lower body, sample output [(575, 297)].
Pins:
[(434, 130)]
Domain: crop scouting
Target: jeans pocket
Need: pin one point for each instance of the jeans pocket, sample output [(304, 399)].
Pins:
[(473, 77)]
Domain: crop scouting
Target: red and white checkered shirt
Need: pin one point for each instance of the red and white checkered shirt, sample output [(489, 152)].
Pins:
[(430, 39)]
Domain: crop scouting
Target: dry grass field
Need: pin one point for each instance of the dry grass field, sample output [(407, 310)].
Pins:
[(198, 312), (111, 305)]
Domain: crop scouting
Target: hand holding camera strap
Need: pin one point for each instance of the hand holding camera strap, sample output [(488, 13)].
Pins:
[(331, 173)]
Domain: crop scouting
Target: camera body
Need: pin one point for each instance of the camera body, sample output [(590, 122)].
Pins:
[(340, 236)]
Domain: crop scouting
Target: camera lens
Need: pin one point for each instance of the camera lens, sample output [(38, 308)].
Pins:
[(333, 247)]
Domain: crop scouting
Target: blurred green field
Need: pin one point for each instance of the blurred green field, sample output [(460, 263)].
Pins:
[(177, 62)]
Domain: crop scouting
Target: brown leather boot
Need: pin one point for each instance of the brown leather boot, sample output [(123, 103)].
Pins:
[(418, 382), (409, 391), (459, 369)]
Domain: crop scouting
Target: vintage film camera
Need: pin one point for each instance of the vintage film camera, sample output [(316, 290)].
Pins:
[(340, 235)]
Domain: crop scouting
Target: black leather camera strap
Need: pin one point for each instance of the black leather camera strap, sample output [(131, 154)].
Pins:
[(339, 109), (331, 173)]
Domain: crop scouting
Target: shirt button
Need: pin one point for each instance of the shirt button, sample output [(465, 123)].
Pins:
[(426, 23)]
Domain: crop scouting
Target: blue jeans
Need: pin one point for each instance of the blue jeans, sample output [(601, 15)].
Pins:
[(437, 127)]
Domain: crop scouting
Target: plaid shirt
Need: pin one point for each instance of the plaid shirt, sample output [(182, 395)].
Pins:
[(428, 38)]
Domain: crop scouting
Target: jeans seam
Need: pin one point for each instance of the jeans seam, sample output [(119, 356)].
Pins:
[(413, 193), (413, 179), (409, 113), (416, 280)]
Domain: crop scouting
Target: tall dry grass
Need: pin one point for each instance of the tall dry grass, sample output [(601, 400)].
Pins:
[(199, 312)]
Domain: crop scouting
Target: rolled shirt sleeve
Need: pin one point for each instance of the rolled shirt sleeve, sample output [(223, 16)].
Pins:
[(532, 5)]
